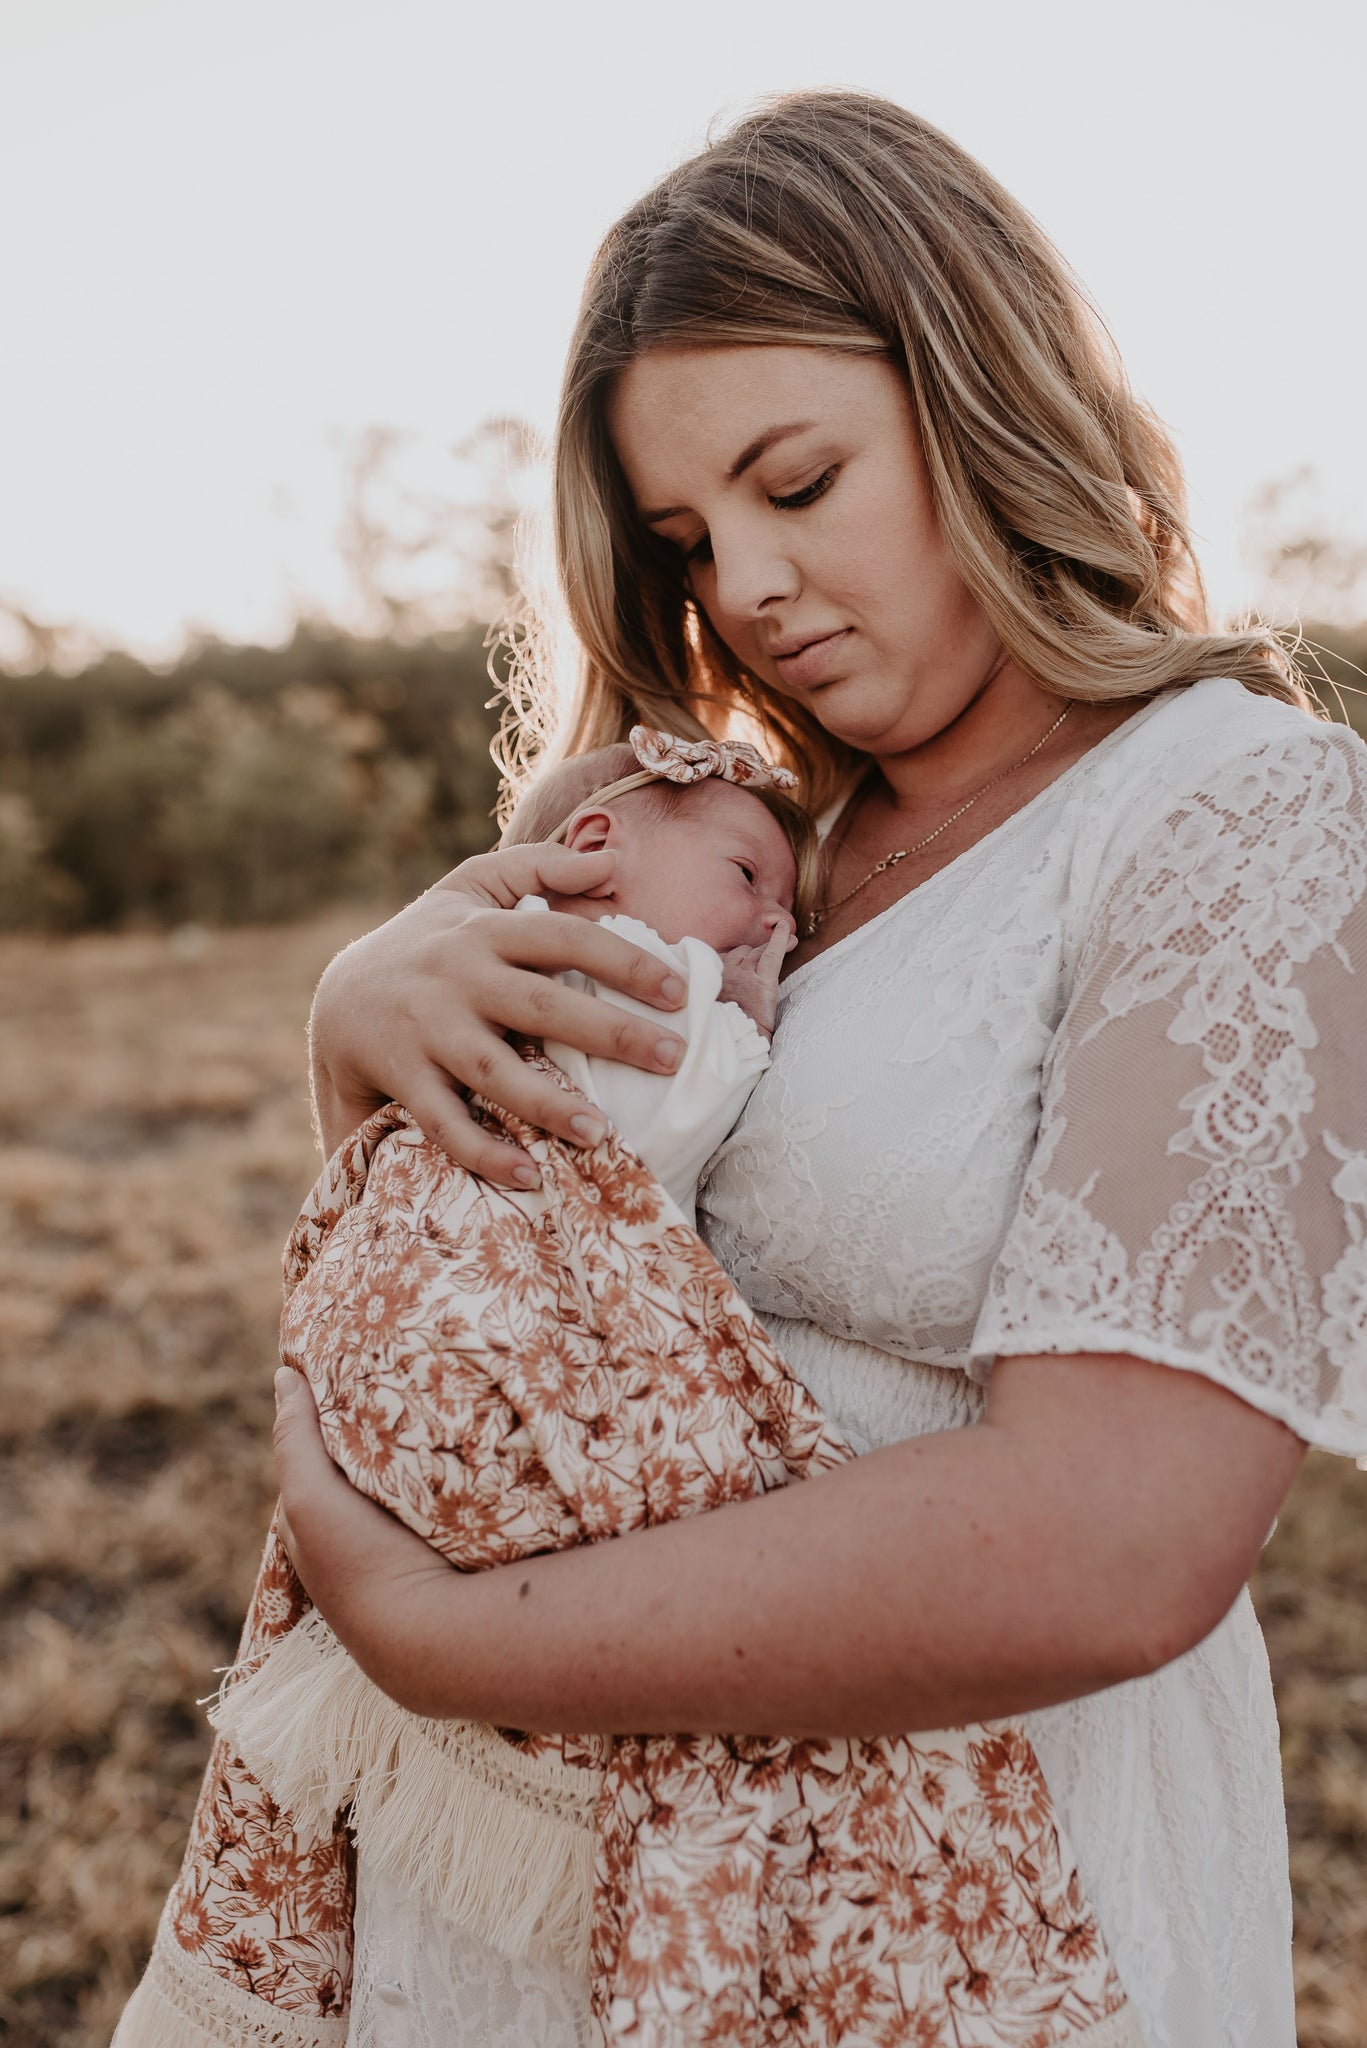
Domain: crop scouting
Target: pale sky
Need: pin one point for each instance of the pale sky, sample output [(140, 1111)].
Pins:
[(232, 232)]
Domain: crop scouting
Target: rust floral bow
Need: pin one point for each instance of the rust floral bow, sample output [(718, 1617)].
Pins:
[(664, 757), (676, 760)]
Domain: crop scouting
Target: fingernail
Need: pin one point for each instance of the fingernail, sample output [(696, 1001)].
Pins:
[(526, 1176), (284, 1382), (587, 1129), (672, 989), (667, 1051)]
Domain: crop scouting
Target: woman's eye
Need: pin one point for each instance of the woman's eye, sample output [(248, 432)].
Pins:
[(701, 551), (809, 493)]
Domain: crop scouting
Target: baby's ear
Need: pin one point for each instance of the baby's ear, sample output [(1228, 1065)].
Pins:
[(593, 832)]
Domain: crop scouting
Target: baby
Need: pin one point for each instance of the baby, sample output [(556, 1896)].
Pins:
[(516, 1371), (713, 860)]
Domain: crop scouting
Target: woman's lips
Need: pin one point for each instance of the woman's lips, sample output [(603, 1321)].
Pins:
[(817, 662)]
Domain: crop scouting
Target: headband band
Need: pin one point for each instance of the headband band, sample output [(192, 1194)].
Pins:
[(664, 757)]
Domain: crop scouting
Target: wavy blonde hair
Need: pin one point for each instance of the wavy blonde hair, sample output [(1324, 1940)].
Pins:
[(838, 220)]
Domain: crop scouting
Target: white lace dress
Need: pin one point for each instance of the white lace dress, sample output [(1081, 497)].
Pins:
[(1090, 1088)]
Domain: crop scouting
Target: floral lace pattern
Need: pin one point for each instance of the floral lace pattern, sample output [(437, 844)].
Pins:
[(422, 1982), (1217, 982)]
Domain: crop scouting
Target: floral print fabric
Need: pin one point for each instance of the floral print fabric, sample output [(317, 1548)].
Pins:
[(897, 1893), (256, 1903), (680, 760), (515, 1373)]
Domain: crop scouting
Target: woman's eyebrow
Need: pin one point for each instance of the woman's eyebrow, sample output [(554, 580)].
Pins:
[(747, 458)]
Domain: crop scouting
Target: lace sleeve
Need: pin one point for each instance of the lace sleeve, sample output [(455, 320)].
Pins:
[(1198, 1191)]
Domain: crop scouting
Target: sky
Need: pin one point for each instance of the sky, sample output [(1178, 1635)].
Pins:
[(235, 236)]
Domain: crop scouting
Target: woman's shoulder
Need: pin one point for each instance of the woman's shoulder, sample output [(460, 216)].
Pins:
[(1214, 757), (1195, 730), (1206, 788)]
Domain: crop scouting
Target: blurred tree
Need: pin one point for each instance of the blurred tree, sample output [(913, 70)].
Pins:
[(1310, 567), (251, 783), (428, 535), (245, 783), (28, 642), (248, 783)]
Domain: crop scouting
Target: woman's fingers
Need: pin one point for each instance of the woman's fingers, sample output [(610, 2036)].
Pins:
[(418, 1010), (502, 878), (542, 1008), (501, 1076), (442, 1117), (560, 940)]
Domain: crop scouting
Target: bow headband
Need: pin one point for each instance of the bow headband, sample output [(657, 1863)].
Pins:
[(666, 758)]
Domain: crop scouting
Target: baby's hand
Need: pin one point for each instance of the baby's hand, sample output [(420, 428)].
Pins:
[(749, 976)]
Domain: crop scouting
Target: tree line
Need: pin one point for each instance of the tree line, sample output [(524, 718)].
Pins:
[(245, 784)]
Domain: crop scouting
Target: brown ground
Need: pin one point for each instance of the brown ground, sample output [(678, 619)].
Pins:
[(156, 1144)]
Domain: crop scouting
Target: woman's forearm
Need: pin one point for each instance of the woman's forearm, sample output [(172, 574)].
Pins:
[(1086, 1534), (770, 1615)]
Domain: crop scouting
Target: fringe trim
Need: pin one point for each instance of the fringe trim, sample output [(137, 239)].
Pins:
[(499, 1842), (180, 2004)]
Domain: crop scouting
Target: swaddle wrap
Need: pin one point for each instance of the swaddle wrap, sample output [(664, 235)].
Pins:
[(513, 1373)]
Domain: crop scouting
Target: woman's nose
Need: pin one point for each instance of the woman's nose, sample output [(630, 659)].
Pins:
[(751, 576)]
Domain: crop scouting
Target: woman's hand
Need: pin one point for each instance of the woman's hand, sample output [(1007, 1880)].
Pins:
[(417, 1011), (363, 1570)]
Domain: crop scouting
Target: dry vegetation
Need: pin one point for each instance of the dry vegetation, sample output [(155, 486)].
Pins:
[(156, 1141)]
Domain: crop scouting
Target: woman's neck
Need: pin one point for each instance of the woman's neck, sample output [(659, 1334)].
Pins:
[(908, 805), (1004, 717)]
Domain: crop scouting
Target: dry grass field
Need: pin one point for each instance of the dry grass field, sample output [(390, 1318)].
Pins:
[(155, 1146)]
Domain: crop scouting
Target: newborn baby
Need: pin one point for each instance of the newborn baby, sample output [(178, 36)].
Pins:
[(709, 870), (515, 1371)]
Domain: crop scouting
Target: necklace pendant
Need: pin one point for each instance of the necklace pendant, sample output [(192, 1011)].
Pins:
[(818, 918)]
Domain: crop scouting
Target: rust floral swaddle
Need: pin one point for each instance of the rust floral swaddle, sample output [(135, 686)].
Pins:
[(512, 1373)]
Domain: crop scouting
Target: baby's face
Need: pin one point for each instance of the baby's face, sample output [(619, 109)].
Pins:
[(717, 866)]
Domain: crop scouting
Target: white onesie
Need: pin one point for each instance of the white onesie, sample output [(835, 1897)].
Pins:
[(672, 1122), (420, 1981)]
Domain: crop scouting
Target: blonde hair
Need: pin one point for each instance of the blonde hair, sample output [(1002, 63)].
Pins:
[(839, 220), (557, 791)]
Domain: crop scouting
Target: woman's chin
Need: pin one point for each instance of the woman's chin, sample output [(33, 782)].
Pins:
[(859, 716), (855, 708)]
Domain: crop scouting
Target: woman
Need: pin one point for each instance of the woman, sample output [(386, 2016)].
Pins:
[(1056, 1192)]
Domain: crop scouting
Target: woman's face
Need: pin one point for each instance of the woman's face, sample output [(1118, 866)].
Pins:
[(792, 481)]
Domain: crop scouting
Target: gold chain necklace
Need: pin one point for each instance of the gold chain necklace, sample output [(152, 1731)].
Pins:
[(891, 860)]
